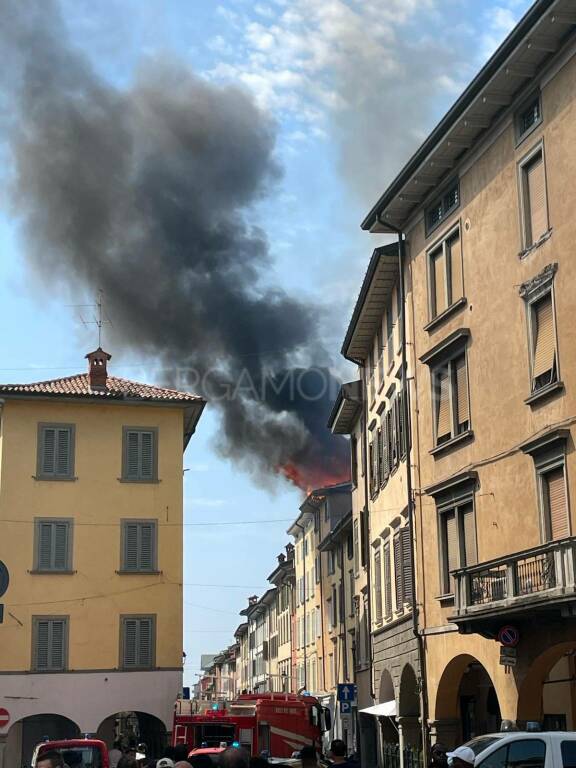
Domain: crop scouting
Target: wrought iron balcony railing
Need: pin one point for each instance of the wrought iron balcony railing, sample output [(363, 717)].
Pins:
[(543, 573)]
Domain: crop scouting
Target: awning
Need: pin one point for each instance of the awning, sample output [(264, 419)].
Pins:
[(385, 709)]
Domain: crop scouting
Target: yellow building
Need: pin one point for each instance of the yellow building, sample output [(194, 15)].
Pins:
[(485, 208), (283, 578), (91, 517)]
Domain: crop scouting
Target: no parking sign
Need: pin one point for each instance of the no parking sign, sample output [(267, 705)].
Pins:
[(509, 637)]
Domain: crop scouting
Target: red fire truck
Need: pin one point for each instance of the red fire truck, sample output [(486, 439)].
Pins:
[(91, 753), (277, 723)]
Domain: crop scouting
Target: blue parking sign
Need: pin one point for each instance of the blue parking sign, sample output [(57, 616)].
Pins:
[(347, 692), (345, 708)]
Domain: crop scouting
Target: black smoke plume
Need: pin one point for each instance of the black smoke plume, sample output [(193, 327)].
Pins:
[(144, 192)]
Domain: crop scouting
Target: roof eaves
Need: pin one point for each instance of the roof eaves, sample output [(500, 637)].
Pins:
[(492, 66)]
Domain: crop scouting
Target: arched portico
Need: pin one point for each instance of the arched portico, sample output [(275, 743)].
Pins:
[(134, 728), (547, 693), (24, 734), (409, 707)]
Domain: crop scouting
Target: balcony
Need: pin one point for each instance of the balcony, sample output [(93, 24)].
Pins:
[(538, 579)]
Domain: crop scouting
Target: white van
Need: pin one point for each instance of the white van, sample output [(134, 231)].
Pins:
[(553, 749)]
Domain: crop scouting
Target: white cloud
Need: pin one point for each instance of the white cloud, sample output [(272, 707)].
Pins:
[(207, 501)]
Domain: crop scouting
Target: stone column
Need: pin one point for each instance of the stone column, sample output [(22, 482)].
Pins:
[(411, 730), (445, 731)]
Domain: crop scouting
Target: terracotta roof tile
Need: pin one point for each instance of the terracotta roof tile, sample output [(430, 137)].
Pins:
[(117, 389)]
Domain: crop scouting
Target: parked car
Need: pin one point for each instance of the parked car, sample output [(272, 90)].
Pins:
[(518, 749)]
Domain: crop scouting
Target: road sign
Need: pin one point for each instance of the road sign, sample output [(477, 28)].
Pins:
[(347, 692), (508, 656), (345, 708), (4, 578), (509, 637), (4, 718)]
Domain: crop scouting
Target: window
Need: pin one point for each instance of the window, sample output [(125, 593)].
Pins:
[(49, 643), (378, 584), (556, 522), (450, 395), (330, 613), (457, 541), (390, 337), (139, 545), (331, 561), (445, 282), (138, 642), (351, 584), (317, 569), (380, 450), (55, 452), (534, 206), (528, 116), (356, 535), (387, 581), (53, 545), (402, 568), (349, 546), (354, 460), (568, 749), (543, 343), (443, 206), (380, 343), (334, 602), (520, 753), (318, 622), (140, 455)]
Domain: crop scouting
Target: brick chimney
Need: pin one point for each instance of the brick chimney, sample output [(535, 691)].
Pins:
[(97, 373)]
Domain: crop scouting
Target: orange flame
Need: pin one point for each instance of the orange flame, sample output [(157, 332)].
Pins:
[(308, 478)]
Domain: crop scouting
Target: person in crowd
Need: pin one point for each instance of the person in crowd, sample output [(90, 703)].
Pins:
[(182, 764), (258, 761), (234, 758), (127, 761), (115, 754), (338, 753), (200, 761), (309, 757), (165, 762), (438, 758), (180, 752), (462, 757), (50, 760)]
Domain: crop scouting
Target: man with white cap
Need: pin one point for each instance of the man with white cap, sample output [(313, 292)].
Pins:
[(165, 762), (462, 757)]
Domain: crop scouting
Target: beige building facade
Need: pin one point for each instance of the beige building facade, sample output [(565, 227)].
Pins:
[(485, 211)]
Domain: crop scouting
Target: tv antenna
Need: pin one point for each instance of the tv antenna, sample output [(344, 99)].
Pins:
[(99, 316)]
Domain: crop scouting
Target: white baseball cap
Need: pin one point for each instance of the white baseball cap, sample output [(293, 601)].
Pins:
[(463, 753), (165, 762)]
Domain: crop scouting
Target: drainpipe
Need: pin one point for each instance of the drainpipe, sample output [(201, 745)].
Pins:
[(304, 584), (366, 544), (409, 491)]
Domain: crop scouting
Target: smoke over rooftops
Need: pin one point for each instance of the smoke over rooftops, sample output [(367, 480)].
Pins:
[(143, 192)]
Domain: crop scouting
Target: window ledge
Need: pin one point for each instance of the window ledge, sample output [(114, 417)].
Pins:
[(42, 572), (55, 479), (543, 238), (446, 600), (449, 444), (139, 482), (451, 310), (545, 392), (123, 572)]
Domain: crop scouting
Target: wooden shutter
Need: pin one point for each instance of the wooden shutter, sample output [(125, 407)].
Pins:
[(406, 565), (48, 456), (454, 248), (378, 584), (544, 346), (451, 557), (57, 644), (130, 643), (462, 409), (398, 579), (60, 562), (130, 547), (363, 536), (145, 642), (439, 277), (385, 451), (387, 580), (42, 644), (443, 420), (63, 452), (45, 531), (557, 508), (390, 332), (380, 438), (146, 455), (146, 546), (537, 222), (132, 463), (469, 529)]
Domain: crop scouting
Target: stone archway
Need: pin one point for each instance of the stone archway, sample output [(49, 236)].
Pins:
[(133, 728), (25, 733), (409, 707), (548, 690), (388, 728), (466, 702)]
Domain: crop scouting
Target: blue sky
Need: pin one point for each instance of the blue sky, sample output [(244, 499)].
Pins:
[(353, 87)]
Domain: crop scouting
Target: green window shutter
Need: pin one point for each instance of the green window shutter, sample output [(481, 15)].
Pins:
[(146, 455), (130, 547), (60, 554), (146, 547), (48, 451), (130, 643), (387, 581), (57, 644), (132, 455), (42, 645), (406, 565), (45, 531), (63, 444), (398, 578)]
